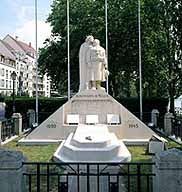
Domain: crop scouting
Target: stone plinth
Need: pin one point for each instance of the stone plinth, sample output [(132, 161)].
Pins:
[(17, 123), (154, 117), (168, 170), (168, 123), (92, 143), (11, 171)]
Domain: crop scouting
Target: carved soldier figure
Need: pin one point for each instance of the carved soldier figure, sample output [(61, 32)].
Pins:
[(93, 64), (82, 61), (97, 65)]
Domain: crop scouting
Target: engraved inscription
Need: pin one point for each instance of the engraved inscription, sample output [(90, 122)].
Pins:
[(99, 95), (133, 125), (52, 124)]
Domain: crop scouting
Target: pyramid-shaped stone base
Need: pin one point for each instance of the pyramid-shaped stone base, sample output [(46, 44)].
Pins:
[(90, 102)]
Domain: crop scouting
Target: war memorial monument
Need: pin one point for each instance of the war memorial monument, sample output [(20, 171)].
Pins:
[(92, 125)]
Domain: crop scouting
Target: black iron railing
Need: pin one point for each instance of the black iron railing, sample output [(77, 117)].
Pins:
[(25, 123), (88, 177), (7, 129), (177, 126)]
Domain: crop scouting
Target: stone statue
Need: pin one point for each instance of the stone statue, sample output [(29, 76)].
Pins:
[(82, 62), (93, 64), (97, 65)]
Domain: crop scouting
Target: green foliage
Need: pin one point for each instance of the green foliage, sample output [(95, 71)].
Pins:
[(1, 99), (48, 105), (23, 105), (161, 44), (132, 104)]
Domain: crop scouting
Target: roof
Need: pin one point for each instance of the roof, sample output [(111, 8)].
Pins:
[(6, 50), (28, 49)]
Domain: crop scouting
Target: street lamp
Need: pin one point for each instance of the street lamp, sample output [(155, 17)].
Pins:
[(13, 76)]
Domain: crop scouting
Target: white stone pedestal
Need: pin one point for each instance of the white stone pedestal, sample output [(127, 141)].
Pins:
[(92, 143)]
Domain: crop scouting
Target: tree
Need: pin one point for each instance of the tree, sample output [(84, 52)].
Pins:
[(172, 15), (153, 49), (161, 44), (87, 18)]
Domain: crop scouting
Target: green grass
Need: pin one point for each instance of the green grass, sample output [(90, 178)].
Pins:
[(45, 152), (172, 144), (33, 153), (139, 154)]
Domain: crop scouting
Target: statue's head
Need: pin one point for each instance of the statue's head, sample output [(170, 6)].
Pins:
[(96, 42), (89, 39)]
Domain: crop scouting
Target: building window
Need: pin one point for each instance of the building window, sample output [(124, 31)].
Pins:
[(6, 74), (2, 72), (2, 59), (1, 82), (7, 84)]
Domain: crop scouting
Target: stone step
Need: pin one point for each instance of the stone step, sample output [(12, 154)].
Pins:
[(97, 144), (93, 153)]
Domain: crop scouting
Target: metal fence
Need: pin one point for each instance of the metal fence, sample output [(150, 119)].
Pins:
[(88, 177), (7, 129), (177, 126), (25, 123)]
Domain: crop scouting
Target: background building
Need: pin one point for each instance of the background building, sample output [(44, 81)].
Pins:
[(7, 66), (20, 57)]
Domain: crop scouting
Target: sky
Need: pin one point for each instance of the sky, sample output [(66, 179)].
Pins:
[(17, 18)]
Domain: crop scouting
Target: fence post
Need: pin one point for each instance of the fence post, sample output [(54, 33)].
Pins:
[(2, 110), (11, 171), (17, 123), (0, 132), (31, 116), (168, 166), (154, 117), (168, 123)]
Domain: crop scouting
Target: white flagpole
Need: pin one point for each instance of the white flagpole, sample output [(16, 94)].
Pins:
[(106, 24), (140, 60), (68, 36), (36, 63)]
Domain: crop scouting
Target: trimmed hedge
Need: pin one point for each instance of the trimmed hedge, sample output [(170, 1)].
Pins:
[(46, 105), (49, 105), (133, 104)]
